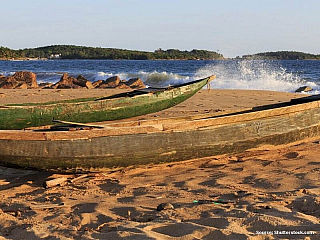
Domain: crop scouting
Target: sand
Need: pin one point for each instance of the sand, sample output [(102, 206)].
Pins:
[(267, 193)]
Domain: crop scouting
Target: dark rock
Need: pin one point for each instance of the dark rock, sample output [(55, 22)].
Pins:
[(45, 85), (164, 206), (70, 82), (135, 83), (96, 84), (304, 89), (83, 82), (22, 80), (65, 82), (22, 86), (123, 85), (111, 82)]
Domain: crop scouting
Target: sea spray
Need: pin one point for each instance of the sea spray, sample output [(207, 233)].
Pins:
[(253, 74)]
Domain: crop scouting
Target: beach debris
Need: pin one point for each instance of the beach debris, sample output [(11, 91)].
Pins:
[(78, 178), (16, 213), (165, 206), (241, 193), (61, 181), (55, 182), (304, 89), (46, 206), (208, 201)]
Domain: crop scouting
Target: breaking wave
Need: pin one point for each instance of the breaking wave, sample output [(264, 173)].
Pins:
[(254, 75)]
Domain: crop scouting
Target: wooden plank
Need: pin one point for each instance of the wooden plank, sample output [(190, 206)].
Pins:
[(132, 149), (240, 117), (140, 127), (78, 124)]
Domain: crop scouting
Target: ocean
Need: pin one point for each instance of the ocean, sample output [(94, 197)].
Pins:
[(277, 75)]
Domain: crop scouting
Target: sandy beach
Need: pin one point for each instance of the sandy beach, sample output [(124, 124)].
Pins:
[(271, 192)]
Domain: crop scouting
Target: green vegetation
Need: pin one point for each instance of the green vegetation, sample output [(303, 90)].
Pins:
[(283, 55), (81, 52)]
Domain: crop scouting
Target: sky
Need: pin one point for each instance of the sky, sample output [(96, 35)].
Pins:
[(230, 27)]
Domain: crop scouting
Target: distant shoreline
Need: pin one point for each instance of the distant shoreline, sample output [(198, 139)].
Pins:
[(56, 52)]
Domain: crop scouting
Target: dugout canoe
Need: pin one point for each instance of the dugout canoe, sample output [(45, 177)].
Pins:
[(156, 141), (119, 106)]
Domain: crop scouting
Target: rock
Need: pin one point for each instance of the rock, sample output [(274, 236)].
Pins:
[(70, 82), (96, 84), (83, 82), (123, 85), (45, 85), (22, 86), (309, 205), (304, 89), (22, 80), (165, 206), (8, 85), (135, 83), (29, 78), (111, 82)]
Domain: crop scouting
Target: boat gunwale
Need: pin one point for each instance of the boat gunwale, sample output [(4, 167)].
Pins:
[(155, 126)]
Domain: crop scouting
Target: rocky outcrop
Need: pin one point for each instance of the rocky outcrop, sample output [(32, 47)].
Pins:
[(135, 83), (83, 82), (111, 82), (67, 82), (25, 80), (304, 89), (45, 85), (96, 84), (116, 82), (21, 80)]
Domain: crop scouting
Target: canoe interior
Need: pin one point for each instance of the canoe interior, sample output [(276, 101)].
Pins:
[(163, 140)]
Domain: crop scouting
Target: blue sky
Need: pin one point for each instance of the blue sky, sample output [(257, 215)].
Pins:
[(230, 26)]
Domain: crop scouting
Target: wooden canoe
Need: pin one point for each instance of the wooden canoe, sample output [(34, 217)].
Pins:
[(163, 140), (125, 105)]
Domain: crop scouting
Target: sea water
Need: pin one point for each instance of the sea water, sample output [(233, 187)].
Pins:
[(276, 75)]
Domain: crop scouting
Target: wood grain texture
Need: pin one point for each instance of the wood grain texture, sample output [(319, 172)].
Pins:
[(150, 144)]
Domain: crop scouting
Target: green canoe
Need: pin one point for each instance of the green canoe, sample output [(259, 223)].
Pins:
[(120, 106)]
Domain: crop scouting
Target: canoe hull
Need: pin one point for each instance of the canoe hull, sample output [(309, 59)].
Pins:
[(90, 154), (19, 117)]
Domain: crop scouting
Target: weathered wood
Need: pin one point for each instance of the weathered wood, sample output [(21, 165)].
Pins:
[(77, 124), (96, 110), (133, 144), (73, 180), (159, 125), (46, 206), (55, 182)]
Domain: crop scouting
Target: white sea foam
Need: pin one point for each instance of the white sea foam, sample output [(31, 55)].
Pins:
[(255, 75)]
